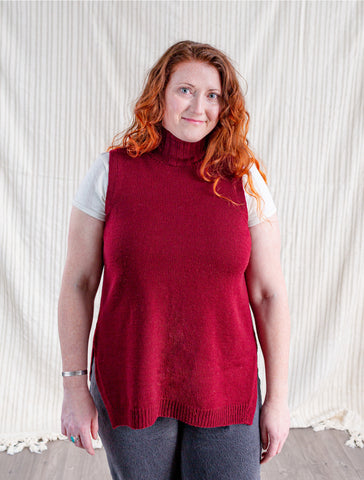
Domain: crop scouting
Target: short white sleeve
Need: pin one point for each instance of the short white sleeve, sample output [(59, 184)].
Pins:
[(91, 194), (267, 203)]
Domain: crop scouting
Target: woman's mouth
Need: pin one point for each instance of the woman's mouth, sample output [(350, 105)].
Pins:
[(192, 120)]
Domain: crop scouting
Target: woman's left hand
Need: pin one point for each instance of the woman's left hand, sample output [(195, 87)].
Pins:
[(274, 428)]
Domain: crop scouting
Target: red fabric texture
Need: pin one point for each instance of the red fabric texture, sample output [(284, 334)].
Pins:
[(174, 337)]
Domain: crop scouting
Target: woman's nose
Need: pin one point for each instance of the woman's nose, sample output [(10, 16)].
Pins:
[(197, 104)]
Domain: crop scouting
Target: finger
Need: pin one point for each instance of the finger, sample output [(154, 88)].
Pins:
[(94, 427), (78, 442), (73, 437), (86, 443), (271, 451), (264, 438), (266, 456)]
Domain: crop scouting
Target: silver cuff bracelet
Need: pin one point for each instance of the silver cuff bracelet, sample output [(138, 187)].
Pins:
[(74, 373)]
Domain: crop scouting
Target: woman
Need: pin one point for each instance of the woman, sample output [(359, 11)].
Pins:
[(180, 218)]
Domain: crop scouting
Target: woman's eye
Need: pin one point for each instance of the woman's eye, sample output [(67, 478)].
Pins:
[(185, 90), (213, 96)]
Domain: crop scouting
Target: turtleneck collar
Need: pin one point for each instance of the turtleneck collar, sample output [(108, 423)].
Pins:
[(178, 152)]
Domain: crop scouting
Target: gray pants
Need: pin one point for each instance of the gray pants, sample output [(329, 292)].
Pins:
[(173, 450)]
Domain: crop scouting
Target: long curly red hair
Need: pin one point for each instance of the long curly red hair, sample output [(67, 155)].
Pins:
[(228, 154)]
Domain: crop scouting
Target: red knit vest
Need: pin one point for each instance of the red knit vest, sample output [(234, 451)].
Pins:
[(174, 337)]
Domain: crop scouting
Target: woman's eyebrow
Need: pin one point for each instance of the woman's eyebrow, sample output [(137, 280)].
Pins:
[(186, 83)]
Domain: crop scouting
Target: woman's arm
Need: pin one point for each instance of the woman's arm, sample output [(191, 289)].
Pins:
[(268, 299), (80, 281)]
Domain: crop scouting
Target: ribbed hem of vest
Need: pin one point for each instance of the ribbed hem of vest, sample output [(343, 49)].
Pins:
[(145, 417)]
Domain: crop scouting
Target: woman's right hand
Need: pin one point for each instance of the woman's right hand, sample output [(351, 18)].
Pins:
[(79, 417)]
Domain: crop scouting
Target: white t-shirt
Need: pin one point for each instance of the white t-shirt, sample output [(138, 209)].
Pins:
[(91, 194)]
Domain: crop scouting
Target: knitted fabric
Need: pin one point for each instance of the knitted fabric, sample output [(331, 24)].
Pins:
[(174, 336)]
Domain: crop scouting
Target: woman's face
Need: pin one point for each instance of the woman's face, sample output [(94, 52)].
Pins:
[(192, 101)]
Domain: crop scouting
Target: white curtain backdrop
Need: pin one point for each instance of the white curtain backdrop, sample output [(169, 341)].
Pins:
[(70, 72)]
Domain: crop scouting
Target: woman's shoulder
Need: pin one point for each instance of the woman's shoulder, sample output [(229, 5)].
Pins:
[(255, 173), (91, 193), (103, 159), (268, 206)]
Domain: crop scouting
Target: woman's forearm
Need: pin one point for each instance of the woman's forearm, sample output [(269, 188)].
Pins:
[(273, 327), (75, 312)]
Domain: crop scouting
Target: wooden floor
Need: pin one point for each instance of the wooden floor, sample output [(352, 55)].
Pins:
[(307, 455)]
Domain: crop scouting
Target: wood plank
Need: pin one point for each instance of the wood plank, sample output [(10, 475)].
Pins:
[(307, 455), (61, 461)]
